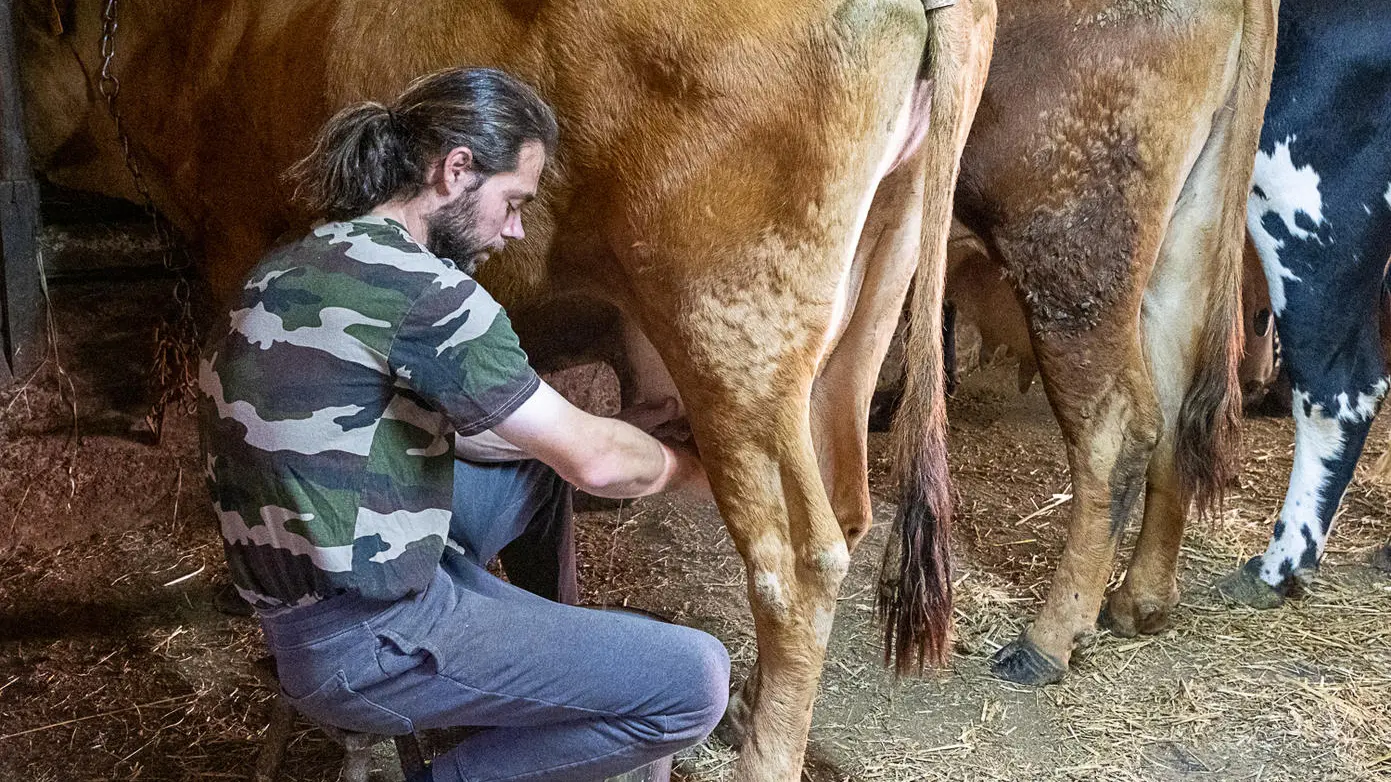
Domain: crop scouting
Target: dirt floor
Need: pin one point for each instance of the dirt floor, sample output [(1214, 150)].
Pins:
[(115, 666)]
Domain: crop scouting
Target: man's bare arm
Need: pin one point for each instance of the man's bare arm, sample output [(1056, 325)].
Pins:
[(602, 456)]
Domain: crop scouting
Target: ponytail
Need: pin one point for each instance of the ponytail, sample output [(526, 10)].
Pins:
[(361, 158)]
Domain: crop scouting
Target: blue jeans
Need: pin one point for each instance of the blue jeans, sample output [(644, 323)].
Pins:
[(564, 693)]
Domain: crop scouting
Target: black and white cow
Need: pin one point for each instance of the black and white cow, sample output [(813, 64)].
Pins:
[(1320, 216)]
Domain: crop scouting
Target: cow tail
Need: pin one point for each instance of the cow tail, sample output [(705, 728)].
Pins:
[(915, 586), (1208, 436)]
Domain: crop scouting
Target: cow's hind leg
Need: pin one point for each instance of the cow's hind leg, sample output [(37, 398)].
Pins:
[(744, 350), (887, 254), (1190, 338), (1334, 404), (841, 395), (1082, 242), (778, 513), (1326, 272), (1329, 436), (1189, 348), (1080, 264), (1100, 391)]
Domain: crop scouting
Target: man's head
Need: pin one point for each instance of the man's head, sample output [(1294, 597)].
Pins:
[(464, 148)]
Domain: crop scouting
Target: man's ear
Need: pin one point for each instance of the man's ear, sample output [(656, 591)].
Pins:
[(456, 171)]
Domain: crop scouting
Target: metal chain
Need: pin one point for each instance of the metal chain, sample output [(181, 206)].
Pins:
[(175, 341)]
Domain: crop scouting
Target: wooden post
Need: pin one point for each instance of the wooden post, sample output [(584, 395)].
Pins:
[(21, 298)]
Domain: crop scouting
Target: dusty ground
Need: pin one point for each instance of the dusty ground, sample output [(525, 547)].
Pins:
[(113, 666)]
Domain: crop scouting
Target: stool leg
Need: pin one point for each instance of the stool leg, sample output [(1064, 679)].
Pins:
[(277, 738), (357, 757), (408, 750)]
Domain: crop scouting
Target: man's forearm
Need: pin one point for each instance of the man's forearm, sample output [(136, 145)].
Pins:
[(601, 456), (627, 462)]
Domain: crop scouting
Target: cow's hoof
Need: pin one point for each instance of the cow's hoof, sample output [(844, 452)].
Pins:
[(1022, 662), (1382, 559), (1246, 587), (1128, 617)]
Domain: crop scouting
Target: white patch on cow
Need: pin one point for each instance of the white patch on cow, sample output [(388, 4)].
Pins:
[(400, 528), (263, 328), (1268, 248), (840, 304), (318, 433), (482, 311), (1365, 408), (1285, 191), (769, 591), (333, 559), (1387, 194), (1318, 439), (834, 561), (1288, 190), (822, 620), (264, 283)]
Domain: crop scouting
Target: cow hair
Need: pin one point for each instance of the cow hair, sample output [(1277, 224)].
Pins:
[(914, 602), (1208, 437)]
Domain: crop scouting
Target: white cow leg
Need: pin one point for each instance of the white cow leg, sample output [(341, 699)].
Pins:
[(1327, 446)]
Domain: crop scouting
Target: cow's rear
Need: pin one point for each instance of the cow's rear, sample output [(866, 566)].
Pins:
[(1107, 169)]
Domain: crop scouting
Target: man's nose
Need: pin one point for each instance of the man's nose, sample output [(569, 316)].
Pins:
[(512, 229)]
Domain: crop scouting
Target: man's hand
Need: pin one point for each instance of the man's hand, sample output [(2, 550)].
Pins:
[(602, 456)]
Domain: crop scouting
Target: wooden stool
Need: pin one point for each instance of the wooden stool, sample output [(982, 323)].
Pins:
[(357, 747)]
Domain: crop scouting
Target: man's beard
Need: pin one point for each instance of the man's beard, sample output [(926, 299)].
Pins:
[(452, 235)]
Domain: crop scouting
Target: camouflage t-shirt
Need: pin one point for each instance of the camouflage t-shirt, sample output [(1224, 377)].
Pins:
[(329, 398)]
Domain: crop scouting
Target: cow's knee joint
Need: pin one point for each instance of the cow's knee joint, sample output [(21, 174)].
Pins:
[(832, 562), (769, 594)]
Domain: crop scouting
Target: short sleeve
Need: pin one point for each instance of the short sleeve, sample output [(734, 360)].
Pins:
[(456, 349)]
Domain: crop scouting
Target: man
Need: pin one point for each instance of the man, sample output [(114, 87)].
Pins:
[(328, 404)]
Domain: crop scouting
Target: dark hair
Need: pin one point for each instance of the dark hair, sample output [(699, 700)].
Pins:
[(370, 153)]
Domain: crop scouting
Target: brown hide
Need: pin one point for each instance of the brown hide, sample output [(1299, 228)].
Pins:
[(718, 163), (986, 302)]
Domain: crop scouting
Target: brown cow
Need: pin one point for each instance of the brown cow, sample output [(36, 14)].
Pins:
[(985, 300), (736, 180), (1107, 172)]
